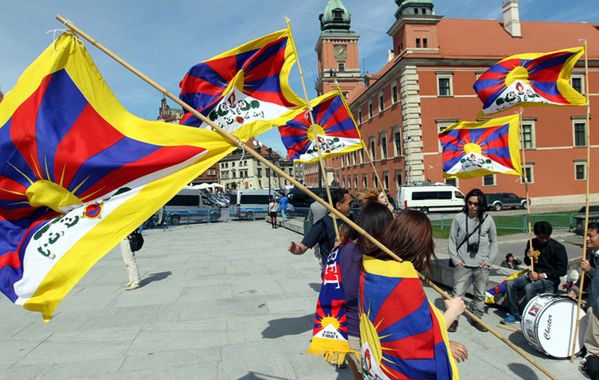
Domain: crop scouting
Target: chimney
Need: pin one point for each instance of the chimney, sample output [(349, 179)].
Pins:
[(390, 55), (511, 18)]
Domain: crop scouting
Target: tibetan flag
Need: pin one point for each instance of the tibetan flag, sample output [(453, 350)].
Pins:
[(333, 126), (79, 173), (329, 337), (243, 87), (530, 79), (496, 293), (476, 149), (403, 335)]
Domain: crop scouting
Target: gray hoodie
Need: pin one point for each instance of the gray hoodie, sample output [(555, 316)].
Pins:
[(487, 250)]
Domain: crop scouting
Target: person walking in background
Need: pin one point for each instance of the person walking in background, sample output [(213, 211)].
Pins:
[(283, 206), (472, 249), (273, 209), (130, 265)]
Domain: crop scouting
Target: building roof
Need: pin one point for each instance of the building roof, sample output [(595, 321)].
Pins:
[(486, 39), (470, 39)]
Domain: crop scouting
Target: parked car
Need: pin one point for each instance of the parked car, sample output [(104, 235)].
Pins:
[(499, 201)]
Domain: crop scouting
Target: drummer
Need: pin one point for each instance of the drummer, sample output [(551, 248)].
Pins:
[(550, 263), (590, 364)]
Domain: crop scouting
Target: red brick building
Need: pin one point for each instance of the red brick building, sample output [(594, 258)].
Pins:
[(427, 85)]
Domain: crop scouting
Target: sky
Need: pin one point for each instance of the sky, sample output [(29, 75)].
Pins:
[(163, 39)]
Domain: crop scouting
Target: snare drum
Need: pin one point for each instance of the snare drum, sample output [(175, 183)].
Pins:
[(548, 324)]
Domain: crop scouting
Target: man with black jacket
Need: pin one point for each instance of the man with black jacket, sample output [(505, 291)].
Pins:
[(550, 263), (323, 232)]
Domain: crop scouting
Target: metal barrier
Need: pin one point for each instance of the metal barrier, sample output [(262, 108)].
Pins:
[(515, 223)]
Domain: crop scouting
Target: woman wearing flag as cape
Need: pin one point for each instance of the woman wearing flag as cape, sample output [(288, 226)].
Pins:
[(403, 335)]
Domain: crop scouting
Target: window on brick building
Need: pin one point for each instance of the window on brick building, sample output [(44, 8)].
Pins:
[(383, 147), (529, 170), (489, 180), (580, 171), (451, 181), (444, 85), (579, 133), (386, 180), (397, 141), (417, 42), (425, 42), (370, 109), (528, 134), (372, 149), (381, 102), (394, 98), (365, 181), (398, 178), (577, 81), (341, 67), (360, 117)]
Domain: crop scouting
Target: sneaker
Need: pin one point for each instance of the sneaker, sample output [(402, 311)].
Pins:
[(583, 367), (510, 320), (128, 284), (132, 286), (454, 327)]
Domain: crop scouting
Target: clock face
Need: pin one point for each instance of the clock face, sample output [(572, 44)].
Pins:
[(340, 51)]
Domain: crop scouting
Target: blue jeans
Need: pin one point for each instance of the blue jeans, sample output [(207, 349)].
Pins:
[(517, 287), (284, 214)]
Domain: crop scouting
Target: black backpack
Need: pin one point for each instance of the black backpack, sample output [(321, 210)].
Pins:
[(136, 240)]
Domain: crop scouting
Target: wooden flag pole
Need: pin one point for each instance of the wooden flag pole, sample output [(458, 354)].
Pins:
[(382, 185), (313, 126), (587, 196), (528, 217), (296, 183)]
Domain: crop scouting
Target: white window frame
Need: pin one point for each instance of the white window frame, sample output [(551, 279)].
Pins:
[(493, 176), (356, 181), (448, 76), (532, 173), (386, 180), (577, 120), (385, 152), (372, 148), (362, 155), (397, 130), (533, 136), (582, 81), (375, 184), (381, 101), (359, 116), (400, 183), (441, 125), (394, 91), (583, 164), (365, 181), (370, 110)]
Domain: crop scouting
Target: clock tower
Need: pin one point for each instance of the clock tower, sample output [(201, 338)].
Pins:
[(337, 51)]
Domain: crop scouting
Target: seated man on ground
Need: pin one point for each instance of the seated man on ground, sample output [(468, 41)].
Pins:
[(550, 262)]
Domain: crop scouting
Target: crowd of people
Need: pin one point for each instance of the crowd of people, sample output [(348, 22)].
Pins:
[(472, 248)]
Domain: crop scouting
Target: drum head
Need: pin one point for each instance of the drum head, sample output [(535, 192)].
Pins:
[(548, 324)]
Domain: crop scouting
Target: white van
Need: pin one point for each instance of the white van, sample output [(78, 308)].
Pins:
[(431, 198), (188, 206), (252, 203)]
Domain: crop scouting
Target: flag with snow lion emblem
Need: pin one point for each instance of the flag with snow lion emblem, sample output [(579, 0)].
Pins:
[(403, 336), (476, 149), (333, 126), (530, 79), (329, 337), (79, 173), (241, 89)]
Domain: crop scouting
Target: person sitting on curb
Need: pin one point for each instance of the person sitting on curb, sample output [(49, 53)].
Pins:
[(511, 262), (550, 263)]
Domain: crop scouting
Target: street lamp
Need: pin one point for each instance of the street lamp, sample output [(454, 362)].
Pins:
[(268, 170)]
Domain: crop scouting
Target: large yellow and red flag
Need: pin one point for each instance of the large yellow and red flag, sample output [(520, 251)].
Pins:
[(78, 173)]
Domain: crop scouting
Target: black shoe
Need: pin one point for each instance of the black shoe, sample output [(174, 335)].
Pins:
[(454, 327)]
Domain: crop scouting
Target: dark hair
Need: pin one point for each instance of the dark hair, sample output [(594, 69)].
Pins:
[(409, 236), (507, 257), (593, 226), (482, 202), (373, 218), (542, 228), (338, 195)]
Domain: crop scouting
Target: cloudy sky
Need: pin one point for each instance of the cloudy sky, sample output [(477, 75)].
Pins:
[(163, 39)]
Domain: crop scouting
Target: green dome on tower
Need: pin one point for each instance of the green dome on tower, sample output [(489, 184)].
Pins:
[(336, 17), (414, 8)]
